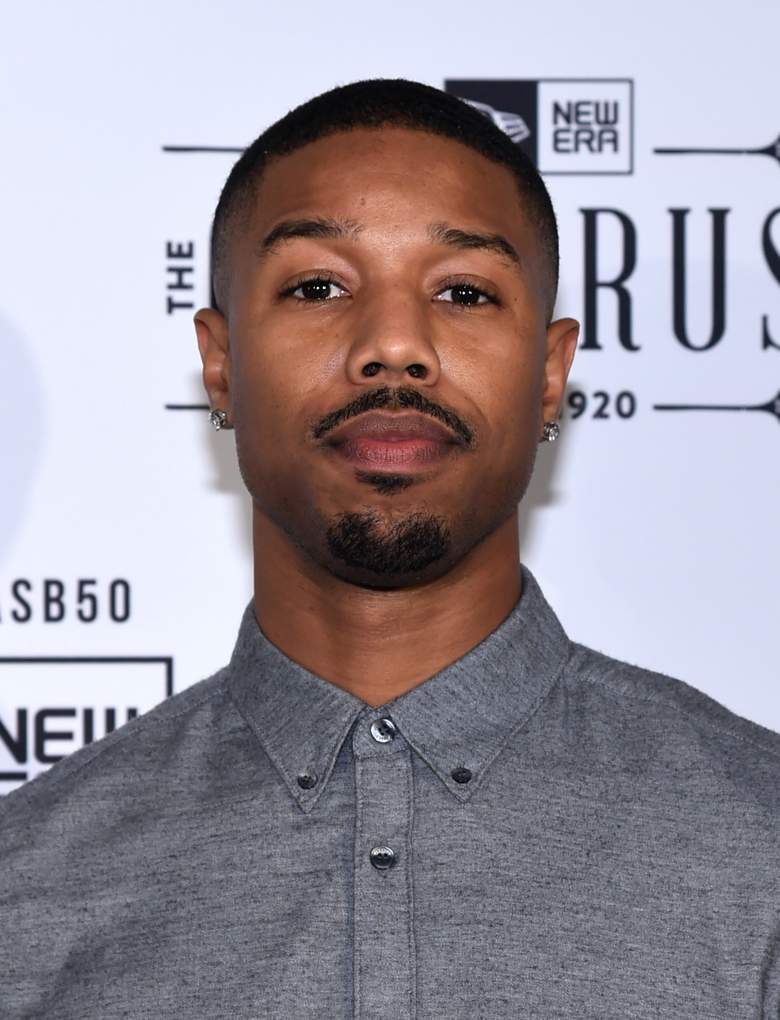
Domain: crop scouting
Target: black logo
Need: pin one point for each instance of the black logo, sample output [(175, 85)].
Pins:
[(49, 726), (565, 125)]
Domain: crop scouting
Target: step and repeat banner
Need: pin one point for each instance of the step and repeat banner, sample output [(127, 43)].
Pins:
[(125, 550)]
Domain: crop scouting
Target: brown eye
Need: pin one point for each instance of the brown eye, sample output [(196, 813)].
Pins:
[(464, 294), (315, 289)]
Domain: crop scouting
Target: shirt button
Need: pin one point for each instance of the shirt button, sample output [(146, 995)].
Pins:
[(307, 779), (383, 730), (461, 775), (382, 857)]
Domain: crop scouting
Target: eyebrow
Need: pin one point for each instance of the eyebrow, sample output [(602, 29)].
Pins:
[(315, 226), (333, 229), (496, 243)]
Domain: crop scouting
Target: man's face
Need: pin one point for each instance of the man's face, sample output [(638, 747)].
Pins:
[(386, 306)]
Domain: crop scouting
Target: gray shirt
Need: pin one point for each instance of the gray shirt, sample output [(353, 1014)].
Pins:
[(536, 831)]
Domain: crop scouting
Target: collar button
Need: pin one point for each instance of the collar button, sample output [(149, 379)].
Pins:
[(461, 774), (383, 730), (307, 779)]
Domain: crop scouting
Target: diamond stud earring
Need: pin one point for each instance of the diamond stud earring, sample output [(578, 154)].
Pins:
[(550, 432), (218, 419)]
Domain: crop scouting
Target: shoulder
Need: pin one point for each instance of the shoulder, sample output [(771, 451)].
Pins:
[(666, 715), (127, 756)]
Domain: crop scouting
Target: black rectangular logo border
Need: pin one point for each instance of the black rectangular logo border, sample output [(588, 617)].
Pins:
[(581, 173), (166, 660)]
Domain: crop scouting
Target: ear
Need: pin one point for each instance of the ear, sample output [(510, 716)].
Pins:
[(561, 346), (212, 332)]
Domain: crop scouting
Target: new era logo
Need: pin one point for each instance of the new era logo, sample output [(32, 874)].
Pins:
[(566, 126), (52, 706)]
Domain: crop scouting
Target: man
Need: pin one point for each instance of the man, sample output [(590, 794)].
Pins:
[(409, 794)]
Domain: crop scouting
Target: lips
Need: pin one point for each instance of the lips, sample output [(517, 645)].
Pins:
[(379, 441), (382, 427)]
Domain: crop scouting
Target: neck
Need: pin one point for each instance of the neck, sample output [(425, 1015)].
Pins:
[(379, 644)]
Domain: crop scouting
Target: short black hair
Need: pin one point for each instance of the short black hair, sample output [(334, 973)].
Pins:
[(377, 103)]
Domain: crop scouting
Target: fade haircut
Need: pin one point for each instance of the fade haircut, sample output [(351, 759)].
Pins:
[(377, 103)]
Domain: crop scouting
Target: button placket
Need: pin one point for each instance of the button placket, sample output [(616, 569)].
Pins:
[(383, 939)]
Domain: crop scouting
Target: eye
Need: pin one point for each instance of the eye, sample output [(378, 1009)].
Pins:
[(465, 294), (314, 289)]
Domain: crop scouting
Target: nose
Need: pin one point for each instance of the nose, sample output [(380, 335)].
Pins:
[(392, 340)]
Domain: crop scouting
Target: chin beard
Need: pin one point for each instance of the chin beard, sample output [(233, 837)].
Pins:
[(364, 541)]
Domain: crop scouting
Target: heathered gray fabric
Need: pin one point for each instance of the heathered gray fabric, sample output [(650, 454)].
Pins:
[(616, 855)]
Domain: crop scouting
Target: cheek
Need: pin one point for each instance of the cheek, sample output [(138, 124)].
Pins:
[(268, 375), (503, 377), (274, 378), (258, 400), (263, 393)]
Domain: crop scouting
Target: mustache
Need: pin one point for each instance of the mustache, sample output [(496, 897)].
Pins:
[(387, 398)]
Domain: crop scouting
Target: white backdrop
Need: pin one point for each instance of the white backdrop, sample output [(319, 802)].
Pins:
[(653, 534)]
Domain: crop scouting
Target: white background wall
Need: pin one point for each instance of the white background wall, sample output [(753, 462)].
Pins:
[(654, 537)]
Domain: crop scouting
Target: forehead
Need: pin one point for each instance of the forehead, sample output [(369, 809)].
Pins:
[(389, 176)]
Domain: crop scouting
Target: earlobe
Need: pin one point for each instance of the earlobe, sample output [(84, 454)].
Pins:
[(212, 333)]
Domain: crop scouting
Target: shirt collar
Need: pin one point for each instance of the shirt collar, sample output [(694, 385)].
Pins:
[(461, 717)]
